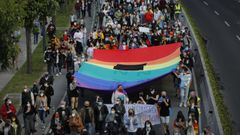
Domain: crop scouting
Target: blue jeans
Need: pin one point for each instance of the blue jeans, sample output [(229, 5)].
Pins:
[(41, 114), (90, 128)]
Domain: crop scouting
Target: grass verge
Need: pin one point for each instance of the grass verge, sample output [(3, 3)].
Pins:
[(20, 79), (222, 109), (15, 85), (63, 17)]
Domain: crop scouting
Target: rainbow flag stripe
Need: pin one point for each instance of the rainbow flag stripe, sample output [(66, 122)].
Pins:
[(100, 73)]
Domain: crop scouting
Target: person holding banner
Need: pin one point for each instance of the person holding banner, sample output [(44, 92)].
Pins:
[(131, 122)]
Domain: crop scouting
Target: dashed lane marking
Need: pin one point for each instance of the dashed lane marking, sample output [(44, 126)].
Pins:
[(238, 37), (227, 23), (205, 3), (216, 12)]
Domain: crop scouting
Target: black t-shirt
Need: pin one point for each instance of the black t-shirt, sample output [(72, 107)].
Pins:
[(164, 111), (151, 101)]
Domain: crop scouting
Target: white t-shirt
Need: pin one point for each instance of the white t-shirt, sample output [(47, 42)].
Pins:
[(78, 36)]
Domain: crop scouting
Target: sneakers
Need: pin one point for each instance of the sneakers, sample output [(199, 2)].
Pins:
[(57, 75), (181, 104), (185, 105)]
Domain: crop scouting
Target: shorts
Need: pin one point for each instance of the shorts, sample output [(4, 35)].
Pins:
[(164, 119)]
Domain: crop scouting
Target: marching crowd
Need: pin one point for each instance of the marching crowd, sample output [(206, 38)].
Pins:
[(123, 25)]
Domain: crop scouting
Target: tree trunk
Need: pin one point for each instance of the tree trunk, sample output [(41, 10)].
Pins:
[(29, 49), (44, 34)]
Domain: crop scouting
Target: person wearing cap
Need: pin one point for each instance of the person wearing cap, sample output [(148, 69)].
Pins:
[(8, 109), (100, 114), (87, 115)]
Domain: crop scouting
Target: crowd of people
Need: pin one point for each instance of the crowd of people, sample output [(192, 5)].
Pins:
[(123, 25)]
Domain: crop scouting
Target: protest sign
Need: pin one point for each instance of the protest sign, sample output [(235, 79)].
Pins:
[(144, 29), (143, 113)]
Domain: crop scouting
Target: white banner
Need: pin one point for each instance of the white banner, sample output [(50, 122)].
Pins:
[(144, 29), (143, 113)]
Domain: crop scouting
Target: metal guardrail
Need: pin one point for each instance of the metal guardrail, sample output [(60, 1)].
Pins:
[(209, 112)]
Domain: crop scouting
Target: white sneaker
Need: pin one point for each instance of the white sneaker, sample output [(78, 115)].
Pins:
[(181, 104), (57, 75), (60, 73), (185, 105)]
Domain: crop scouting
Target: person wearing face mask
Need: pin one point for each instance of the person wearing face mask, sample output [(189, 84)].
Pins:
[(185, 83), (148, 129), (152, 96), (119, 93), (8, 109), (35, 90), (100, 114), (131, 122), (87, 115), (28, 117), (74, 94), (64, 115), (27, 96), (111, 126), (41, 106), (165, 104), (16, 128), (49, 92), (75, 123), (120, 111), (57, 126)]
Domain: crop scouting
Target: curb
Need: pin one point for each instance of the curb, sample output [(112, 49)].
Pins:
[(220, 129)]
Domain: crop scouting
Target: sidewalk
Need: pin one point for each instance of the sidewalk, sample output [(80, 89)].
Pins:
[(60, 85), (6, 76)]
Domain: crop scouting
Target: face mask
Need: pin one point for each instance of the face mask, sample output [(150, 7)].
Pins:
[(25, 90), (9, 102), (113, 112), (148, 125), (152, 91), (163, 96), (73, 114), (13, 119), (62, 106), (100, 103), (28, 105), (117, 102), (41, 94)]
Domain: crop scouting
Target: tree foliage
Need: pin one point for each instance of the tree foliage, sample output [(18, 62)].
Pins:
[(11, 20)]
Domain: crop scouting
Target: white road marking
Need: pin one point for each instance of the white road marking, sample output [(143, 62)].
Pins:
[(238, 37), (216, 12), (227, 23), (205, 3)]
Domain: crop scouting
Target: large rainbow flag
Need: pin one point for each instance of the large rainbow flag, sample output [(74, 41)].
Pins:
[(130, 68)]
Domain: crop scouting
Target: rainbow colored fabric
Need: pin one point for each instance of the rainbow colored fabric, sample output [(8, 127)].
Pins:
[(99, 73)]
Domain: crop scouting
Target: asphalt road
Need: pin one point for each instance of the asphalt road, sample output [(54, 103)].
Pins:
[(219, 23)]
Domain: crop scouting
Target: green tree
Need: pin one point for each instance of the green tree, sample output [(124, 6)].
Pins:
[(46, 8), (30, 14), (10, 14)]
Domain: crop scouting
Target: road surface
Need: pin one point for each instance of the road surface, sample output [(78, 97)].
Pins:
[(219, 23)]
